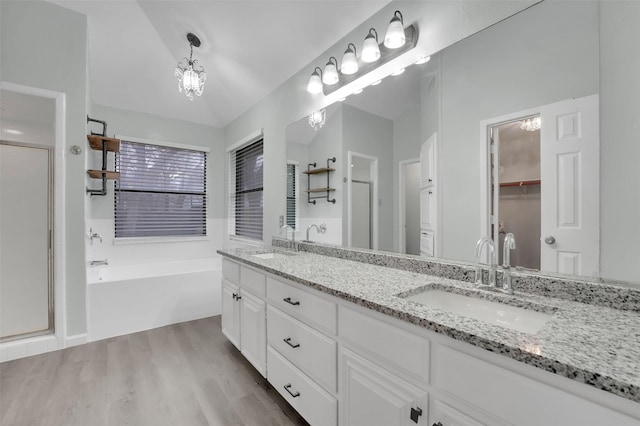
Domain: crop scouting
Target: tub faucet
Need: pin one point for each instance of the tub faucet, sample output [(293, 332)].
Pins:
[(492, 262), (509, 244), (98, 262), (319, 229)]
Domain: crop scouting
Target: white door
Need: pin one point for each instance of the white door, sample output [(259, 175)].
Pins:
[(570, 196), (253, 331), (372, 396), (24, 241), (428, 198), (231, 312), (361, 226), (411, 210)]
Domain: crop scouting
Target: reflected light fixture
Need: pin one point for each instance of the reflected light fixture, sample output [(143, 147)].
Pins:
[(330, 75), (423, 60), (398, 72), (395, 32), (531, 124), (315, 81), (349, 61), (190, 79), (370, 48), (317, 118), (375, 83)]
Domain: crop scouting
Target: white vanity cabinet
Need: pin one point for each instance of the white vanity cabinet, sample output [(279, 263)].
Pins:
[(371, 396), (244, 312), (302, 350)]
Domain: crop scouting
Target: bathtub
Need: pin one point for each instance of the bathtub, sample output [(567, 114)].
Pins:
[(130, 298)]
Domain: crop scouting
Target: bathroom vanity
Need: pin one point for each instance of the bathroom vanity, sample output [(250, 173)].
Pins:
[(352, 337)]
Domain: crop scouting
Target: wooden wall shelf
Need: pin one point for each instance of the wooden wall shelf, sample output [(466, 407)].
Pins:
[(320, 190), (327, 190), (520, 183), (97, 174), (95, 141), (318, 171)]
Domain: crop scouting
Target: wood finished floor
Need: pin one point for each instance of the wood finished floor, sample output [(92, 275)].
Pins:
[(183, 374)]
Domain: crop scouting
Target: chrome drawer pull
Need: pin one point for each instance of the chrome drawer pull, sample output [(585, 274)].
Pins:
[(289, 301), (288, 342), (287, 387)]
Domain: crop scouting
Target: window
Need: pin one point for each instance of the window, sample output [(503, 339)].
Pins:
[(161, 191), (292, 195), (246, 191)]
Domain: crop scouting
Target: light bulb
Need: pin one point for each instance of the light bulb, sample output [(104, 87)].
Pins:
[(395, 32)]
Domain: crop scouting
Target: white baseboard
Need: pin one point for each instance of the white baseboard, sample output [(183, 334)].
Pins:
[(76, 339)]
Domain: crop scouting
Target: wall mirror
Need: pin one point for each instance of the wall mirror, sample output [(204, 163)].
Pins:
[(422, 142)]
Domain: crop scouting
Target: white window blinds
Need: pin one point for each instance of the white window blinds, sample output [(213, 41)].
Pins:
[(161, 191), (245, 190), (292, 195)]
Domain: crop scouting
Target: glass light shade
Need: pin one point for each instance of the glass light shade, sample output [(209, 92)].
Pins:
[(370, 48), (395, 32), (330, 75), (349, 61), (190, 80), (315, 83)]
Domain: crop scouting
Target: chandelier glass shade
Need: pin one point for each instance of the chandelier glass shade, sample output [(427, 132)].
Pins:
[(531, 124), (191, 78), (317, 118)]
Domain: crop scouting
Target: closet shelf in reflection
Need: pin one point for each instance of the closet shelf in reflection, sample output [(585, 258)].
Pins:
[(520, 183)]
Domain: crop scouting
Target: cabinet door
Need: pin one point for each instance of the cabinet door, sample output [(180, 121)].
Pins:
[(441, 414), (427, 208), (231, 312), (253, 331), (428, 161), (374, 397)]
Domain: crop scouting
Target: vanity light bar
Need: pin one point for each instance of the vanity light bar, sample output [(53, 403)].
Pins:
[(373, 55)]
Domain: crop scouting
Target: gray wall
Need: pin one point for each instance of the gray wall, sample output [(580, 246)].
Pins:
[(45, 46), (371, 135), (619, 140)]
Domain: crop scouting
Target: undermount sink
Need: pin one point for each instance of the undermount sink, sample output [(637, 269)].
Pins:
[(271, 255), (490, 312)]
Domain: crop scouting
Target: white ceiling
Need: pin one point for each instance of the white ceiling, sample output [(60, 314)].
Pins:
[(249, 48)]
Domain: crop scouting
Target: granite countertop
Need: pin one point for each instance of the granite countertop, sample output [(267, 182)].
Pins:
[(592, 344)]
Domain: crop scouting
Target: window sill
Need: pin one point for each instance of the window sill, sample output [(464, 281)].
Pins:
[(158, 240), (246, 241)]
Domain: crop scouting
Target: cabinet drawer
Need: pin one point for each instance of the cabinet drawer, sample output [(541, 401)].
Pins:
[(311, 351), (253, 281), (303, 305), (305, 396), (231, 271), (405, 351)]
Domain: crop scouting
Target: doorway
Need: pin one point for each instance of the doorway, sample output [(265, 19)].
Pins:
[(409, 206), (362, 209), (569, 181)]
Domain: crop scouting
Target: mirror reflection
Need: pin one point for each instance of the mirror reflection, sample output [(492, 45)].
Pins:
[(429, 161)]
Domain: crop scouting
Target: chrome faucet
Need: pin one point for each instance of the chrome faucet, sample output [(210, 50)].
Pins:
[(492, 262), (319, 229), (98, 262), (509, 244), (93, 235), (293, 232)]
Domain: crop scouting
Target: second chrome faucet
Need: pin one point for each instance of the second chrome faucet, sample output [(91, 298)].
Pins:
[(509, 244)]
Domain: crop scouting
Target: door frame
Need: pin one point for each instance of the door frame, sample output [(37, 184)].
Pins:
[(374, 197), (402, 230), (59, 338), (485, 157)]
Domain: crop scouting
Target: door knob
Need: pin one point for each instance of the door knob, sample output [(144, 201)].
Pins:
[(550, 239)]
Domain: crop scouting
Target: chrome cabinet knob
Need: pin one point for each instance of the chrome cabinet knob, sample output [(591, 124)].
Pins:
[(550, 239)]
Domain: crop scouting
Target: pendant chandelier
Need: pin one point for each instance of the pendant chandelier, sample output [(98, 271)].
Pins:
[(317, 119), (190, 79)]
